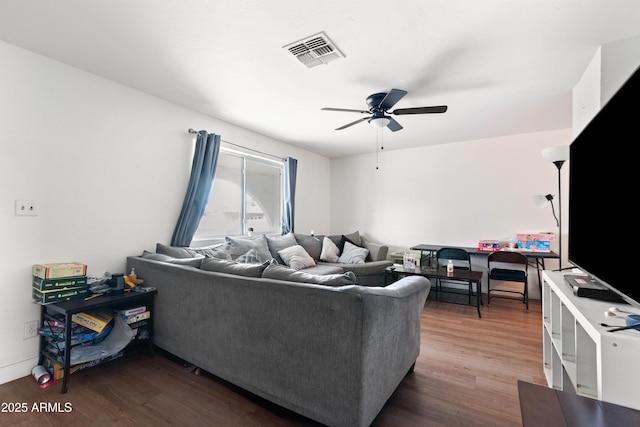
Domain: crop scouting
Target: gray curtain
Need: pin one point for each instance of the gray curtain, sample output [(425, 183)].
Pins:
[(203, 171), (289, 196)]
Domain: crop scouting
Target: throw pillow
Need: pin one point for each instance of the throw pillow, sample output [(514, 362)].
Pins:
[(232, 267), (240, 246), (353, 254), (251, 257), (330, 251), (280, 272), (175, 251), (353, 238), (311, 244), (194, 262), (221, 250), (296, 257), (278, 243)]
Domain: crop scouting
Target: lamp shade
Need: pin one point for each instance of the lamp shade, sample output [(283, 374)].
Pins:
[(558, 153), (380, 122), (542, 201)]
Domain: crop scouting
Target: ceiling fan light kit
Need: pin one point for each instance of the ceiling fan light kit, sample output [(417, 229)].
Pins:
[(379, 106), (380, 122)]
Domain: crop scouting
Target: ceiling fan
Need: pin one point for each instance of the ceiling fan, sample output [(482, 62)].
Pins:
[(380, 103)]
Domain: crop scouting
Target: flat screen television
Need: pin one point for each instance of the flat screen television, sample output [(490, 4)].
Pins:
[(603, 185)]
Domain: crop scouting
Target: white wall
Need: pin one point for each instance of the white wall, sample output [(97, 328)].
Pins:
[(609, 68), (451, 194), (108, 166)]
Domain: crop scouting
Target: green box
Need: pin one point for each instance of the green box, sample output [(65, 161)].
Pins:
[(57, 295), (58, 284)]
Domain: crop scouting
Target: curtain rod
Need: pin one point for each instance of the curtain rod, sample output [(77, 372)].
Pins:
[(194, 132)]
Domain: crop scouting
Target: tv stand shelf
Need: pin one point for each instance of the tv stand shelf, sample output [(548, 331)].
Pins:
[(579, 355)]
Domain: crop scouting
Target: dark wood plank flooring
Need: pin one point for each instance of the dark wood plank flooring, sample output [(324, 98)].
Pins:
[(466, 375)]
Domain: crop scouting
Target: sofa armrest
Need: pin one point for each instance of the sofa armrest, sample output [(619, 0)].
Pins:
[(377, 251)]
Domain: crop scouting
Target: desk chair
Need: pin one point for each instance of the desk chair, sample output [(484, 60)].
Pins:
[(517, 272), (461, 260)]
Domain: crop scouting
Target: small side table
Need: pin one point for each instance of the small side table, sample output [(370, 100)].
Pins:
[(68, 308)]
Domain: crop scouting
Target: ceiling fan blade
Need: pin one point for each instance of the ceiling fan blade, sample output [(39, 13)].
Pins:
[(393, 125), (391, 98), (353, 123), (420, 110), (346, 110)]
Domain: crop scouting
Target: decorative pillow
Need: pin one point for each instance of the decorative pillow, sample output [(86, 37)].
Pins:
[(353, 254), (240, 246), (232, 267), (194, 262), (221, 251), (175, 251), (280, 272), (251, 257), (311, 244), (330, 251), (278, 243), (353, 238), (296, 257)]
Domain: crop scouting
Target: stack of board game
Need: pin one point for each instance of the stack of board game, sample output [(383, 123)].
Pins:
[(59, 282)]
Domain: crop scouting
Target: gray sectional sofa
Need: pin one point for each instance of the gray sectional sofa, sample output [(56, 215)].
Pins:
[(329, 350)]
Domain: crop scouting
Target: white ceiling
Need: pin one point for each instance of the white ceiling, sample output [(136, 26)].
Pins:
[(502, 66)]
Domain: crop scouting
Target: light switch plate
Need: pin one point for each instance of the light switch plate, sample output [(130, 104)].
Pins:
[(26, 208)]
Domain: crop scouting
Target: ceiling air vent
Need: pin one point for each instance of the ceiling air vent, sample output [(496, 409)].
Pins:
[(314, 50)]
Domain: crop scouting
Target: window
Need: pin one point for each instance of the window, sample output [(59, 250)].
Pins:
[(246, 193)]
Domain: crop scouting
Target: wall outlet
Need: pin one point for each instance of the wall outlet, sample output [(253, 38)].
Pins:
[(31, 329), (26, 208)]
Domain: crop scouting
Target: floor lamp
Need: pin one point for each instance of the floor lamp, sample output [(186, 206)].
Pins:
[(558, 155)]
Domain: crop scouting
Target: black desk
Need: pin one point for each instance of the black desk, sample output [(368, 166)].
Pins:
[(68, 308), (536, 258)]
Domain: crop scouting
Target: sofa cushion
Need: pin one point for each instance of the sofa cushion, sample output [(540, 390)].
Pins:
[(281, 272), (175, 251), (240, 246), (296, 257), (278, 243), (233, 267), (194, 262), (352, 254), (330, 251), (311, 244)]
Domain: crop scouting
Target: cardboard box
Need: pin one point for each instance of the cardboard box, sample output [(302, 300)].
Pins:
[(137, 317), (59, 270), (540, 242), (95, 320), (489, 245), (57, 295), (57, 370), (52, 284), (134, 310)]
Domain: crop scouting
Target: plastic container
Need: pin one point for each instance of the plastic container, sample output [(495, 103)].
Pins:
[(450, 267)]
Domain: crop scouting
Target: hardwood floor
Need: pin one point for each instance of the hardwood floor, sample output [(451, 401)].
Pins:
[(465, 375)]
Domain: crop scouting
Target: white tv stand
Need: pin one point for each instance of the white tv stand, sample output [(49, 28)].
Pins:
[(579, 355)]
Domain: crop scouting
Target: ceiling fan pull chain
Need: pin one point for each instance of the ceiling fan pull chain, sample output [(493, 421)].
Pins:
[(377, 145)]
